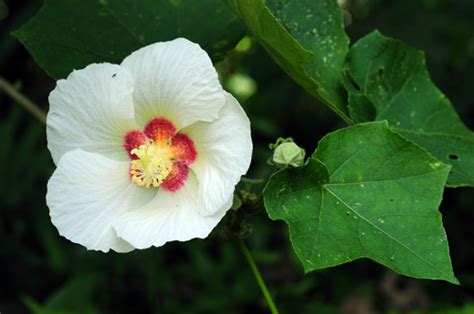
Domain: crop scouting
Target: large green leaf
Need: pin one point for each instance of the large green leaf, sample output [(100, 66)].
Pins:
[(366, 192), (74, 297), (306, 38), (67, 35), (392, 82)]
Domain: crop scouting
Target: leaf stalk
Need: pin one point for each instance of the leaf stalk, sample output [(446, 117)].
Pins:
[(22, 100), (258, 276)]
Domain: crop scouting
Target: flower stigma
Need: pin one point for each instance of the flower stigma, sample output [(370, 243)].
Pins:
[(153, 165), (159, 155)]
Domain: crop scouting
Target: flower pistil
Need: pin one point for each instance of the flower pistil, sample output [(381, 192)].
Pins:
[(153, 165), (159, 155)]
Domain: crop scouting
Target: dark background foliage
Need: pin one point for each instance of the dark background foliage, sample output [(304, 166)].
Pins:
[(40, 272)]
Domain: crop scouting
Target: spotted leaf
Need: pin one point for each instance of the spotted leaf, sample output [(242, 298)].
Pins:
[(393, 84), (365, 193), (306, 38)]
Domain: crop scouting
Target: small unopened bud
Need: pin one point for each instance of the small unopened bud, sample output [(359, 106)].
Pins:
[(287, 153)]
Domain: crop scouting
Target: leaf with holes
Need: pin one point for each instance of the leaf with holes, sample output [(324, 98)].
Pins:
[(67, 35), (366, 192), (392, 79), (306, 38)]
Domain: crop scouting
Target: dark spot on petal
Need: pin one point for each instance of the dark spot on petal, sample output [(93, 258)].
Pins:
[(381, 73), (453, 157)]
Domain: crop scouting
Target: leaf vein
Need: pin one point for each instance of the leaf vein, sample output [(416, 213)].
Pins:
[(383, 231)]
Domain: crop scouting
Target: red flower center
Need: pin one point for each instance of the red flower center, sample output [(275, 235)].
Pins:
[(159, 155)]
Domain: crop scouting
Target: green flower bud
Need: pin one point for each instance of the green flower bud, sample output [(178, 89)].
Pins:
[(289, 154), (242, 85)]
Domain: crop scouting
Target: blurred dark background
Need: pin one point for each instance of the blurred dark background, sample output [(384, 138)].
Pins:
[(40, 272)]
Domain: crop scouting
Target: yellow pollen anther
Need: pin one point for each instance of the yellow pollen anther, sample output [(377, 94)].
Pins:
[(152, 166)]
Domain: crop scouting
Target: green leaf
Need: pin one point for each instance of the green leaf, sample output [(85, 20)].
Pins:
[(67, 35), (366, 192), (75, 297), (77, 293), (392, 78), (306, 38)]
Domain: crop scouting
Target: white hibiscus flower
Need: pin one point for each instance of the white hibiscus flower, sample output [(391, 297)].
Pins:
[(147, 152)]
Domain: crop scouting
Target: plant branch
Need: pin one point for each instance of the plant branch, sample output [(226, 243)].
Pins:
[(22, 100), (258, 277)]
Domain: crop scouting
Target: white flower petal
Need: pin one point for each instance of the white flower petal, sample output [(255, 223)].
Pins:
[(175, 80), (86, 192), (92, 109), (168, 217), (224, 149)]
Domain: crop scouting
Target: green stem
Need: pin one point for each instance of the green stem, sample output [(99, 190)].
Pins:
[(23, 101), (258, 277)]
